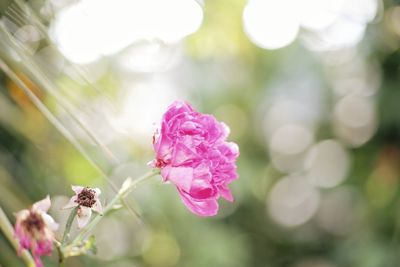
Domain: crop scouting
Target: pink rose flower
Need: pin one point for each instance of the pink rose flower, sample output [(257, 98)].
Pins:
[(192, 153), (34, 229)]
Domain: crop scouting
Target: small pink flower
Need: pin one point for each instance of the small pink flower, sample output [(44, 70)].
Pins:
[(34, 229), (192, 153), (86, 199)]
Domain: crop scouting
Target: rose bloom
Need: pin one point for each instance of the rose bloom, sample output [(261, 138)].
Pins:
[(192, 153), (34, 229)]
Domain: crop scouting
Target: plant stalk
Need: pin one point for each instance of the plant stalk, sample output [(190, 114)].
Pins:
[(8, 231), (68, 225), (126, 188)]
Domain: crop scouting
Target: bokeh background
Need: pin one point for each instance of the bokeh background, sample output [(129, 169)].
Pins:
[(309, 88)]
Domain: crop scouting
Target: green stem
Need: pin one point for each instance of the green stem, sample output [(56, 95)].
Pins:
[(68, 225), (8, 231), (60, 254), (121, 194), (67, 229)]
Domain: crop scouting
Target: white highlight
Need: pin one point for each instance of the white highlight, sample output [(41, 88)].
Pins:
[(142, 105), (333, 24), (318, 14), (270, 24), (91, 28)]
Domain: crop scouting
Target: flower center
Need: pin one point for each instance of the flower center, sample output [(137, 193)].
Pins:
[(86, 197), (33, 222)]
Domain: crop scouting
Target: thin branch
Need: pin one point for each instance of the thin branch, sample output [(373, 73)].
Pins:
[(26, 9), (126, 188)]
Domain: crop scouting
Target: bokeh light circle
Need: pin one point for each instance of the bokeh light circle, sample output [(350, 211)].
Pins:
[(327, 163), (270, 24), (292, 201)]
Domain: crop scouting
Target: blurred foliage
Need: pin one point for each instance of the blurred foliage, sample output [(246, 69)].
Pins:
[(224, 74)]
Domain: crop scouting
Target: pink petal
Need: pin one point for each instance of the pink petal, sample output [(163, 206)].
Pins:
[(225, 129), (178, 107), (216, 131), (24, 242), (71, 203), (202, 190), (182, 154), (189, 126), (84, 214), (203, 171), (230, 150), (163, 146), (201, 187), (43, 247), (43, 205), (226, 193), (207, 207), (234, 148), (77, 188), (180, 176), (38, 261)]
